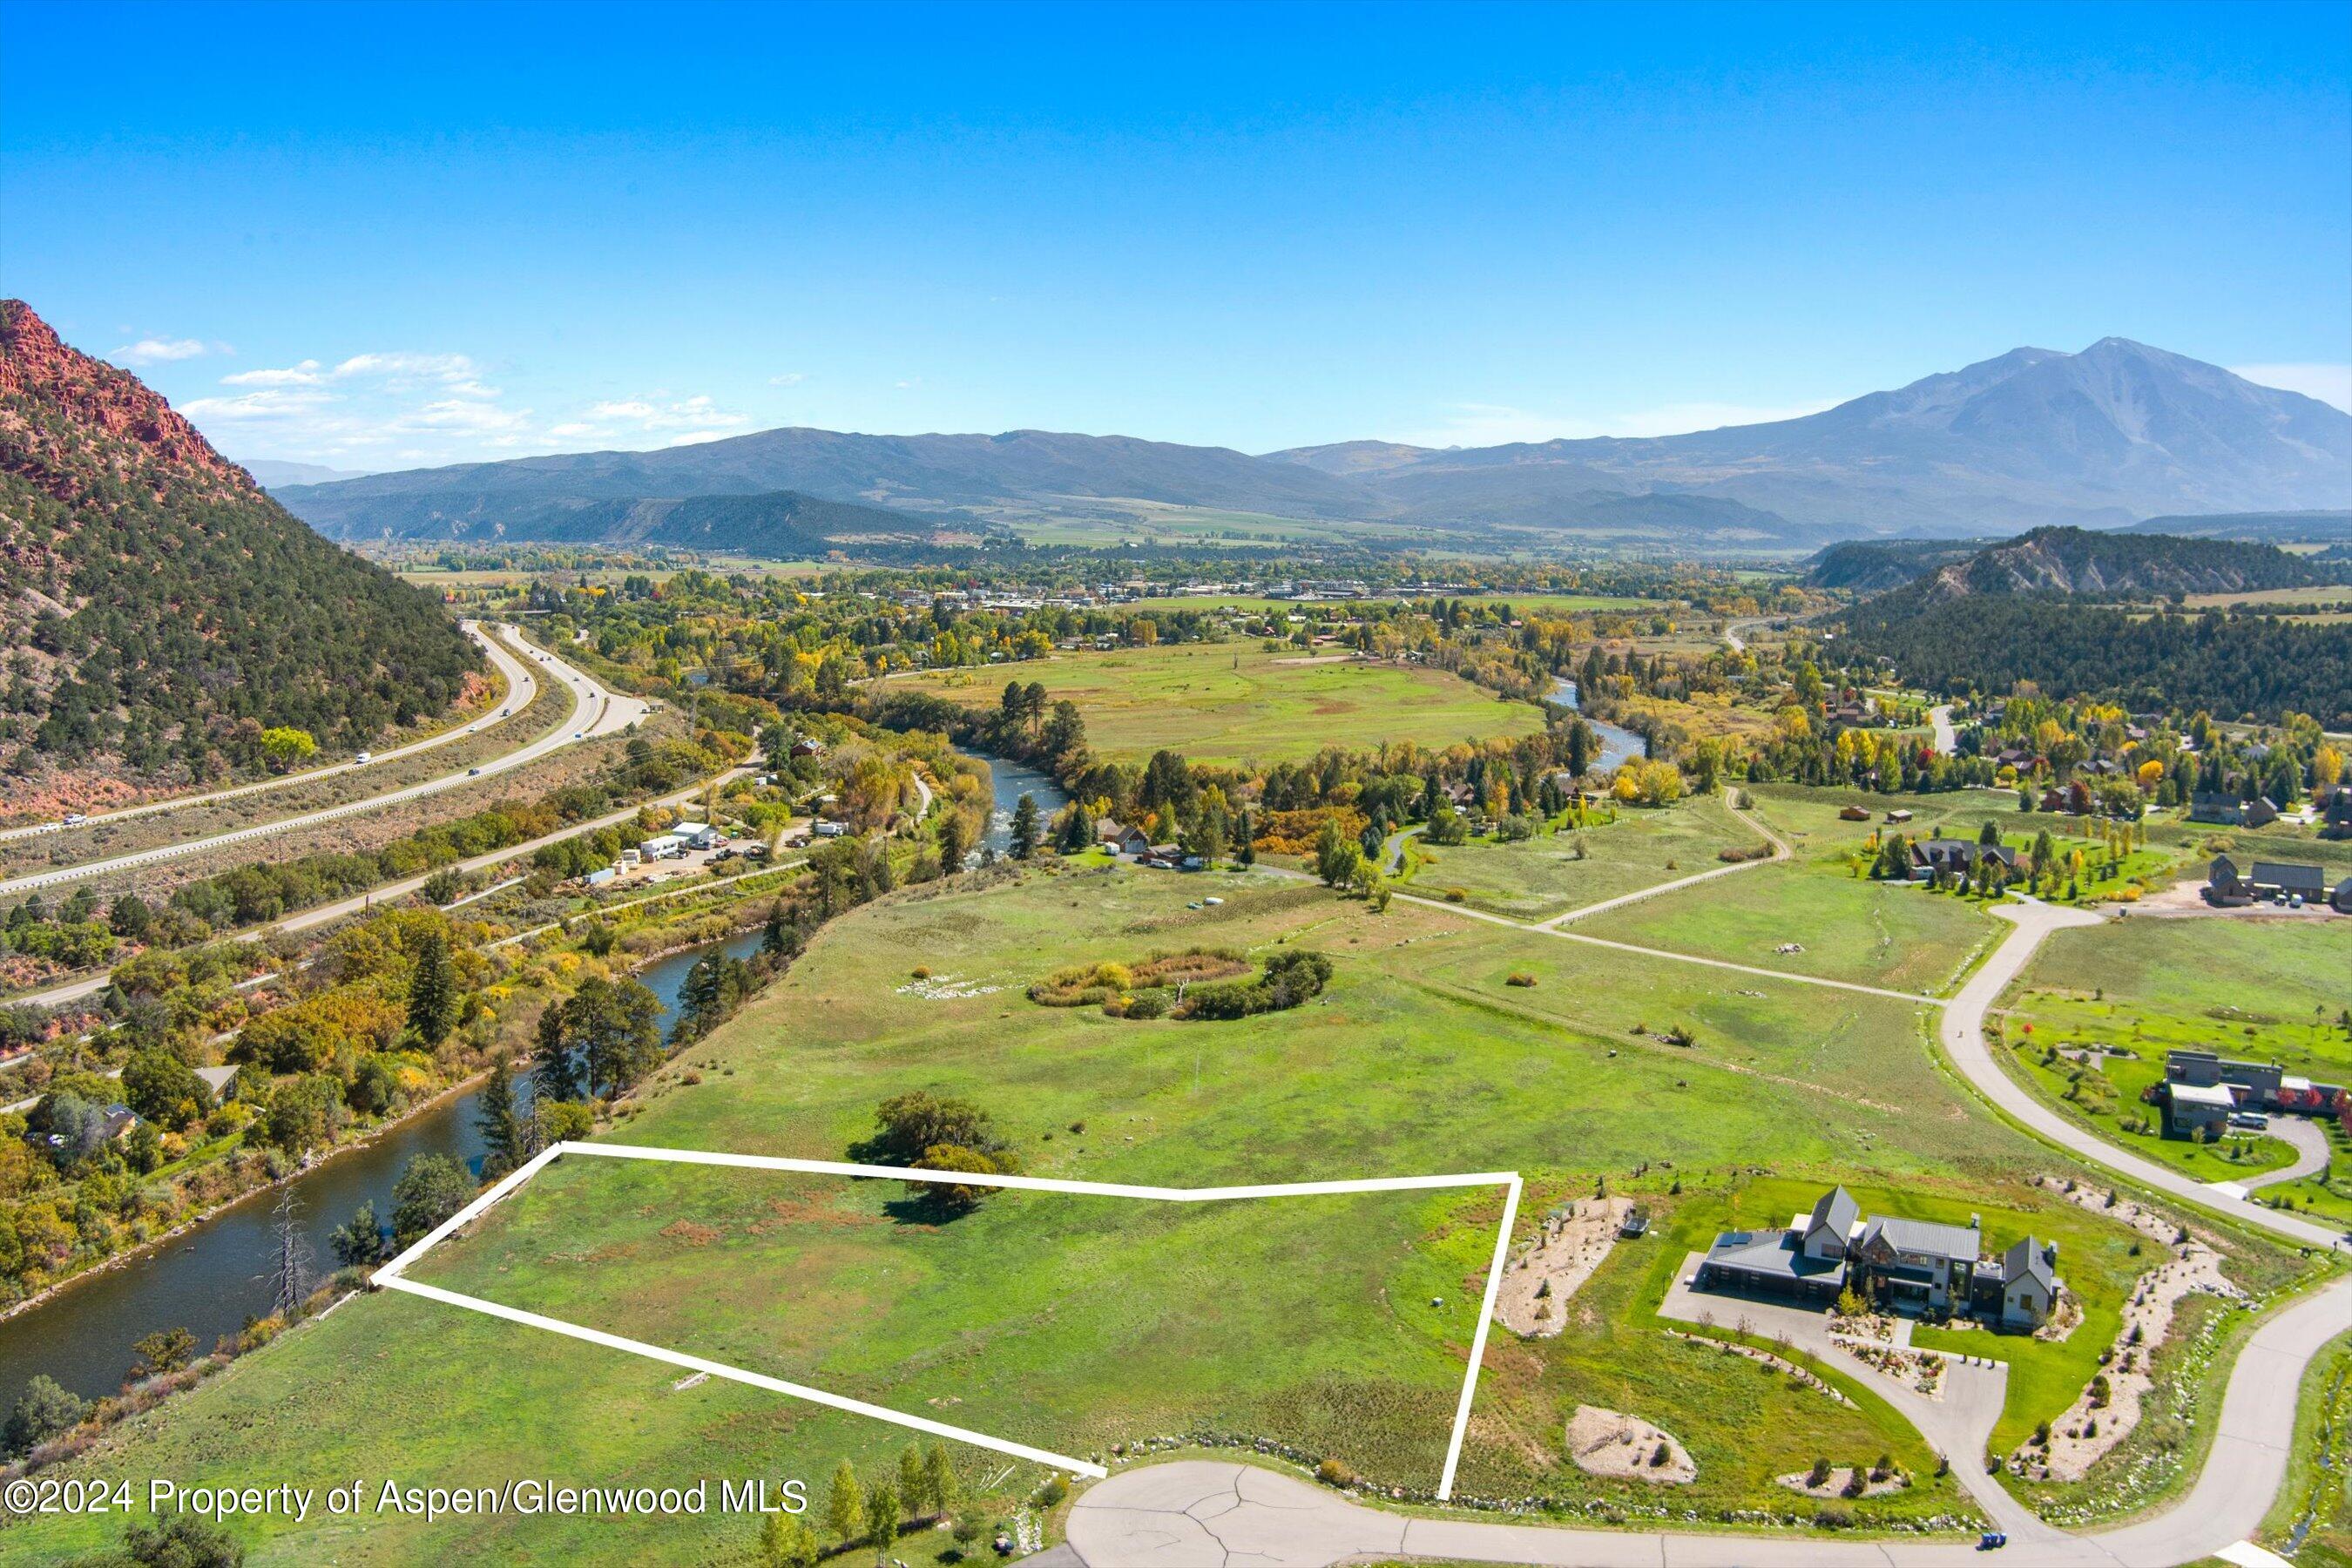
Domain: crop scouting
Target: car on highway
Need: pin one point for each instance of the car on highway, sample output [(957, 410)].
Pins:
[(473, 772), (364, 757), (75, 819)]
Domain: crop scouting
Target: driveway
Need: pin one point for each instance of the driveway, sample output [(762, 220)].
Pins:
[(1957, 1425), (2310, 1141)]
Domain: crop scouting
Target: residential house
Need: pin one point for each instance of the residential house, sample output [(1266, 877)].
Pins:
[(2287, 880), (2195, 1109), (2230, 811), (2256, 1082), (1932, 858), (1905, 1264), (1124, 840), (2021, 1289), (1916, 1265), (2335, 814)]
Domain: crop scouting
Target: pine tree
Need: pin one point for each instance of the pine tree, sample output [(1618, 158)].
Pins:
[(1024, 828), (955, 842), (559, 1064), (499, 1123), (777, 939), (433, 991)]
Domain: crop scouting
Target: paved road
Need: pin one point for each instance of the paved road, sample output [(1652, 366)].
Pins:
[(521, 687), (360, 903), (1948, 739), (1780, 851), (1206, 1514), (596, 712), (1963, 1035)]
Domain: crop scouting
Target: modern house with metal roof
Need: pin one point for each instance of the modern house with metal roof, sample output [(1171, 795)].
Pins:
[(1900, 1265)]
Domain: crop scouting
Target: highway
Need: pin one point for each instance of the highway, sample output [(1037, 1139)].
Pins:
[(521, 687), (359, 903), (595, 712)]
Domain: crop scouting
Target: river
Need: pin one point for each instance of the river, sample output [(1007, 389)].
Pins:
[(1011, 781), (212, 1278), (1617, 745)]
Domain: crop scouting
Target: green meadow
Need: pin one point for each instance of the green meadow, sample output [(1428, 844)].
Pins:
[(1557, 871), (1236, 703), (1337, 1327)]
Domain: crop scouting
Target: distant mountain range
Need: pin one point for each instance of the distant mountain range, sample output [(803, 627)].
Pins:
[(2123, 563), (2311, 526), (2103, 437), (272, 475)]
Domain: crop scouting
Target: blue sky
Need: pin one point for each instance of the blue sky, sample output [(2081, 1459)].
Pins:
[(381, 238)]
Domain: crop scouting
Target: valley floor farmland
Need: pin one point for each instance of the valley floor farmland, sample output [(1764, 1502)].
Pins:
[(1419, 1058), (1233, 702)]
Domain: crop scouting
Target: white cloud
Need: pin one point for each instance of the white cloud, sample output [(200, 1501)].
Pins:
[(2327, 382), (303, 374), (159, 350), (378, 409), (409, 366), (269, 402), (1495, 423), (789, 378)]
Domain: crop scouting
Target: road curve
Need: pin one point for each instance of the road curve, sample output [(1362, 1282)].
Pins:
[(1962, 1031), (595, 712), (521, 687), (1208, 1514)]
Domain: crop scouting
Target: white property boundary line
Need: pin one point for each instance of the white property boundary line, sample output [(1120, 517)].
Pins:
[(392, 1275)]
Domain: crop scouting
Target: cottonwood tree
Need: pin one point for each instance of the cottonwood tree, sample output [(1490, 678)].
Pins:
[(845, 1505)]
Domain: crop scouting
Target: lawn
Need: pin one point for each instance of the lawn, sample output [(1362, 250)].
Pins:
[(2135, 989), (1555, 872), (1106, 1326), (1234, 702)]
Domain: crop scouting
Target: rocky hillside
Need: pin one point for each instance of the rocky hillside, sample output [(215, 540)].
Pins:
[(160, 611), (1874, 566), (2119, 566)]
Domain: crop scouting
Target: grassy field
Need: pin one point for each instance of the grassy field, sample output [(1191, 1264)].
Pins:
[(2135, 989), (1419, 1058), (1234, 703), (1842, 926), (1553, 873), (2317, 1497)]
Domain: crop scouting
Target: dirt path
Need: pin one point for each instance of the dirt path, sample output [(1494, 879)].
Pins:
[(1780, 851)]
